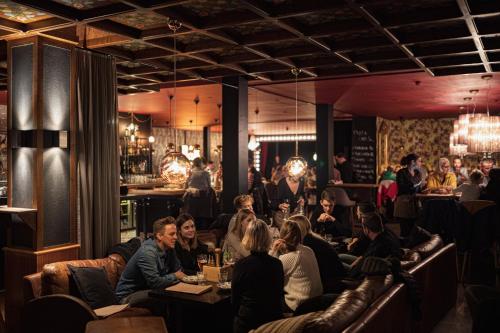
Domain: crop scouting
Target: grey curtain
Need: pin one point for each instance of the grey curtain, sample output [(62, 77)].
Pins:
[(98, 154)]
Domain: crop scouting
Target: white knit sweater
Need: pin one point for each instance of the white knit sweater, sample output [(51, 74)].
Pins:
[(302, 279)]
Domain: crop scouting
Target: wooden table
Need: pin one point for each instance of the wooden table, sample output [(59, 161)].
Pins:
[(214, 305), (425, 196), (127, 325)]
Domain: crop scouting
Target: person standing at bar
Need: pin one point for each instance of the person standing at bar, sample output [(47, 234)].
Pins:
[(485, 167), (409, 183), (345, 167)]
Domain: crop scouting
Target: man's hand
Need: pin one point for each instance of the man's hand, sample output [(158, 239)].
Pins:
[(284, 206), (352, 243), (324, 217), (179, 274)]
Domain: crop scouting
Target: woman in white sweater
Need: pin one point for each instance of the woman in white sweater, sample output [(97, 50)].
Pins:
[(302, 278)]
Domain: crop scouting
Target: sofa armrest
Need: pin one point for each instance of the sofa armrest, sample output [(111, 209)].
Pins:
[(57, 313), (32, 286)]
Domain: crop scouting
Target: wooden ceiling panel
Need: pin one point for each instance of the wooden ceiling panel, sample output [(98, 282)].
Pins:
[(86, 4), (424, 33), (263, 39), (448, 47), (459, 70), (472, 58)]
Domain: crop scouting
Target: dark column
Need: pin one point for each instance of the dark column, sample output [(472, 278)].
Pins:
[(206, 143), (234, 139), (42, 163), (324, 145)]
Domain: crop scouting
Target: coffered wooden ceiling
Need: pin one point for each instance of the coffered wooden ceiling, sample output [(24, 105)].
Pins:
[(263, 39)]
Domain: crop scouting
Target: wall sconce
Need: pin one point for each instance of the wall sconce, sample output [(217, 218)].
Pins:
[(58, 139), (51, 139), (23, 139)]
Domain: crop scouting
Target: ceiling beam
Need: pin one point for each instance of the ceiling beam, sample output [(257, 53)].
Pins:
[(11, 26), (464, 7), (378, 27)]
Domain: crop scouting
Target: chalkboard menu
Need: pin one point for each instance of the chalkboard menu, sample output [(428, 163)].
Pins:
[(364, 149)]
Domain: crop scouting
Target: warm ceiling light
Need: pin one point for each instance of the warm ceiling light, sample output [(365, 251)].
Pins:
[(296, 165), (174, 166)]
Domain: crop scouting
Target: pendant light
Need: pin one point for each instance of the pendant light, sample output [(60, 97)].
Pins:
[(253, 144), (175, 167), (296, 166)]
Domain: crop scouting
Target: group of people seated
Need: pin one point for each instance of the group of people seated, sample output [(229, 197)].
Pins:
[(397, 189), (287, 269)]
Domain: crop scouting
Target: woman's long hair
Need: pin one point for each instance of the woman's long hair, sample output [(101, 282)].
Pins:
[(290, 232), (187, 244), (237, 229)]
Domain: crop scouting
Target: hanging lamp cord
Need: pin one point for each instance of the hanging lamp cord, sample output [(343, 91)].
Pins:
[(175, 25), (296, 71)]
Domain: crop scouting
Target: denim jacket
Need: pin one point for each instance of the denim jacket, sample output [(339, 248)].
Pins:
[(149, 268)]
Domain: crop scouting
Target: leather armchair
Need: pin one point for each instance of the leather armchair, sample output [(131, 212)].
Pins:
[(53, 287)]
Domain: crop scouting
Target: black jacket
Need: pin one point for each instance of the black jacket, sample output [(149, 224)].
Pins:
[(257, 291), (337, 228), (187, 258), (284, 192), (330, 267), (346, 172)]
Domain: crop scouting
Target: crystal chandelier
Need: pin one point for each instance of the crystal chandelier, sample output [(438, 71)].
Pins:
[(296, 165), (174, 166), (483, 130)]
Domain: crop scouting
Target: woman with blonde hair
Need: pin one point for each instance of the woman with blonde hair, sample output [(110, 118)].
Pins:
[(302, 277), (257, 284), (187, 246), (442, 180), (232, 243)]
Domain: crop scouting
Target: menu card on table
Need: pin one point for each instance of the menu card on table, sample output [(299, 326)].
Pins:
[(110, 310), (189, 288)]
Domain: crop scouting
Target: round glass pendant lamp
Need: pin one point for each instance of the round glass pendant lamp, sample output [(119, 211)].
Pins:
[(296, 165), (174, 166)]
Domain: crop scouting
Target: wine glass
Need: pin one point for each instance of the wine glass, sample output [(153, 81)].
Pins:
[(202, 260)]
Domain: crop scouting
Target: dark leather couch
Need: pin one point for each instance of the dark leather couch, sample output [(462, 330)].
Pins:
[(379, 305), (52, 288)]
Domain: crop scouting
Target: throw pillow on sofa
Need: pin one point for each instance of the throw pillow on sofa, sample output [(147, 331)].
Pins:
[(94, 286)]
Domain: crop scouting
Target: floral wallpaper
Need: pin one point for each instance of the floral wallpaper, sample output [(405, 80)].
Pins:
[(428, 138)]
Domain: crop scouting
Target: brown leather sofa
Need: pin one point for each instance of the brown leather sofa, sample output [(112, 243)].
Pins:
[(54, 281), (379, 305)]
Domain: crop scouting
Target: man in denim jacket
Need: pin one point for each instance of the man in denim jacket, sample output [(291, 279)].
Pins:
[(153, 266)]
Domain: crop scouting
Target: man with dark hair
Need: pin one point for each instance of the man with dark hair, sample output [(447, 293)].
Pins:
[(323, 221), (382, 245), (345, 168), (153, 266)]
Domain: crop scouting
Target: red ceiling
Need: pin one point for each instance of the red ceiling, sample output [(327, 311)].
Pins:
[(389, 96)]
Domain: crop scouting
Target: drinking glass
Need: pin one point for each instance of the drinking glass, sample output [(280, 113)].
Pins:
[(202, 280), (329, 238), (287, 209), (202, 260), (223, 275)]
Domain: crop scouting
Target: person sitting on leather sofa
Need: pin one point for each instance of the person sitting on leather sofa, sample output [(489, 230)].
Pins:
[(154, 266), (382, 245)]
